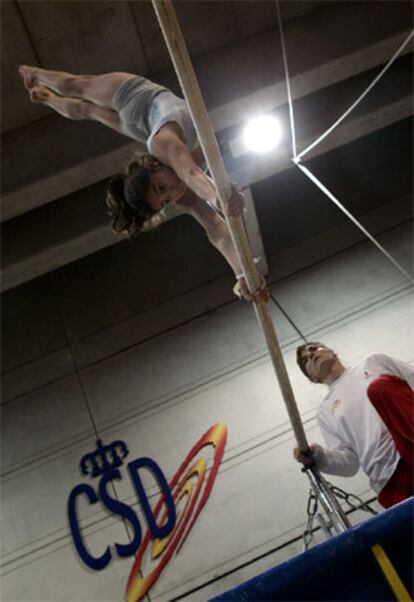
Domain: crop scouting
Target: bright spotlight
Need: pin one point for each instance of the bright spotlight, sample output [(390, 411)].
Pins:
[(262, 133)]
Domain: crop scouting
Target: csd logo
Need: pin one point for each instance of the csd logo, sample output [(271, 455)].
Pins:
[(174, 515)]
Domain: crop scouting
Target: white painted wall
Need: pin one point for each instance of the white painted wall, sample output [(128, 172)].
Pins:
[(160, 396)]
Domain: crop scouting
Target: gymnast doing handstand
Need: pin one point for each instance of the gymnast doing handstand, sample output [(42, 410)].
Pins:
[(171, 172)]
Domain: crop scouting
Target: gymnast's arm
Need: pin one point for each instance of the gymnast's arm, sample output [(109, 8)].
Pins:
[(169, 148), (219, 236)]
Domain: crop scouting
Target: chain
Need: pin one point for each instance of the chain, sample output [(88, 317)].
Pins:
[(353, 501), (311, 510)]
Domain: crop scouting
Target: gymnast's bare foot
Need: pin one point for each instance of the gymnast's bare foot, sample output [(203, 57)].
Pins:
[(39, 93), (28, 75)]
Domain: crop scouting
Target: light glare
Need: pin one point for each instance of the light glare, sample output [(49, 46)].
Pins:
[(262, 133)]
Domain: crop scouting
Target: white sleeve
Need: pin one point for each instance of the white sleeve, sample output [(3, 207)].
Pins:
[(391, 366), (339, 458)]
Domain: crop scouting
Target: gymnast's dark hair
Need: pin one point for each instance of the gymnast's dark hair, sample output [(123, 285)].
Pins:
[(128, 208)]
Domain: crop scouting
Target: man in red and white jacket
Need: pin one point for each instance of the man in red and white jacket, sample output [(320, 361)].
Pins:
[(366, 419)]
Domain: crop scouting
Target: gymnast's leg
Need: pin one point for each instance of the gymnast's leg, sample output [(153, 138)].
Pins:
[(75, 108), (96, 89)]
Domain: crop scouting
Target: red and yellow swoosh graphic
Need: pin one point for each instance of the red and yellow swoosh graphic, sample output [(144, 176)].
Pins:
[(188, 493)]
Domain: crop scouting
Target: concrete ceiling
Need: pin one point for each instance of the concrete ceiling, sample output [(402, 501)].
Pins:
[(54, 170)]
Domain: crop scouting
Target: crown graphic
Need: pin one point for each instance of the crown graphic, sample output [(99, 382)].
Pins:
[(103, 458)]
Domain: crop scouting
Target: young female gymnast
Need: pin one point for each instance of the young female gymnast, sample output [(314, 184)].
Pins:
[(151, 114)]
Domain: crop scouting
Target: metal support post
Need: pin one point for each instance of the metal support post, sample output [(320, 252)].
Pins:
[(337, 517)]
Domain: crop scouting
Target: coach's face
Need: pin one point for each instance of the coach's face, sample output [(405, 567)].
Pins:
[(317, 361)]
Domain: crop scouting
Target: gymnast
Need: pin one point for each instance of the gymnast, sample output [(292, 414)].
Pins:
[(171, 172)]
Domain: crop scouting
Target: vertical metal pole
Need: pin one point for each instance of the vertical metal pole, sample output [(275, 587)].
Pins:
[(337, 517), (181, 60)]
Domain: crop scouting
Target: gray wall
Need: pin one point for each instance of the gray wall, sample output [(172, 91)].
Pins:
[(158, 372)]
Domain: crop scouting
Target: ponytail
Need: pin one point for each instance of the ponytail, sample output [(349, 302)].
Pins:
[(126, 198)]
